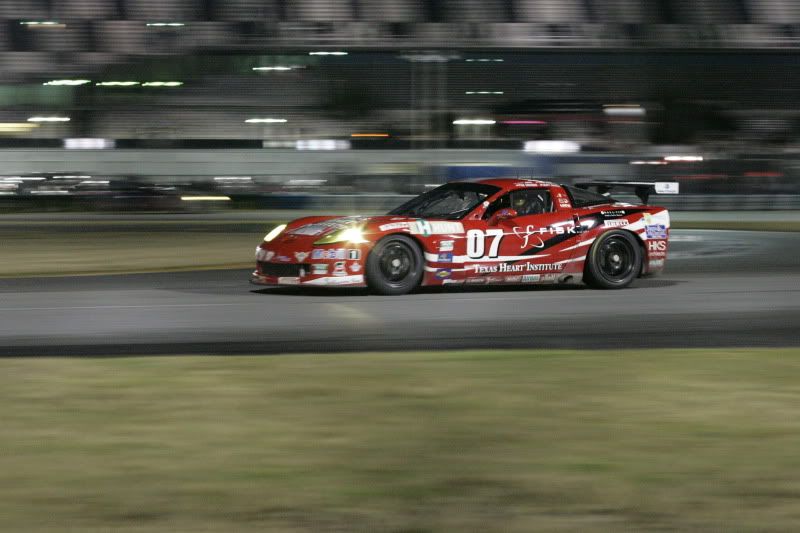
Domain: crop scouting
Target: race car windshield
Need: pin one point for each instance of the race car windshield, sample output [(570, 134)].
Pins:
[(450, 202)]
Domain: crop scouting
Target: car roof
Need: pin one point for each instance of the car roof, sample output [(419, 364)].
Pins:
[(514, 183)]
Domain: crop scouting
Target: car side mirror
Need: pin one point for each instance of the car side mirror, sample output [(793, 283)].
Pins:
[(503, 214)]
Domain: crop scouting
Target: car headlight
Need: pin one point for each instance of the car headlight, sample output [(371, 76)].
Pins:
[(353, 235), (274, 233)]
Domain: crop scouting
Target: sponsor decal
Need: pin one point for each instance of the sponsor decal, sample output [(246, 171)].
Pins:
[(657, 249), (662, 217), (354, 255), (476, 280), (319, 270), (289, 281), (517, 267), (355, 267), (283, 259), (656, 231), (300, 256), (531, 278), (617, 223), (493, 279), (617, 213), (529, 236), (423, 227), (445, 257), (338, 269), (333, 253), (656, 263), (426, 227), (343, 280), (513, 279), (394, 226), (443, 273), (446, 246), (550, 277)]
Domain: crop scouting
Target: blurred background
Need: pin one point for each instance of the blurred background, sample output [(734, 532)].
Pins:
[(186, 105)]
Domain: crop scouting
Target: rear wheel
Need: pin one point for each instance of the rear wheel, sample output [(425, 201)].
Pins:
[(395, 265), (614, 261)]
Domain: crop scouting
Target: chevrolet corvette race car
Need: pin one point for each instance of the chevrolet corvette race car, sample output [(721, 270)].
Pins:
[(490, 231)]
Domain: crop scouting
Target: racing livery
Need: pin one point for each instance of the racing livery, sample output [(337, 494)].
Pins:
[(491, 231)]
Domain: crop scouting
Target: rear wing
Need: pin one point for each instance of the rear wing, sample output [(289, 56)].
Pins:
[(642, 189)]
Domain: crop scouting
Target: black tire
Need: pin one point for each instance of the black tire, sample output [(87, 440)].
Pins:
[(614, 261), (395, 265)]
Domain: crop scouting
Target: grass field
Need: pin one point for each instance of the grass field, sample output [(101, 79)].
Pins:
[(517, 441)]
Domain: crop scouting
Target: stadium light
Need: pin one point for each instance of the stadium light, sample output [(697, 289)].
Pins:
[(69, 83), (552, 147), (474, 121), (117, 83), (48, 119), (162, 84), (265, 120)]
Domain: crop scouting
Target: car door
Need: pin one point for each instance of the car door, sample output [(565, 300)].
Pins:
[(523, 238)]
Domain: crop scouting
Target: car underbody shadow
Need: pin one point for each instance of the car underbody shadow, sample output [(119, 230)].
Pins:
[(642, 283)]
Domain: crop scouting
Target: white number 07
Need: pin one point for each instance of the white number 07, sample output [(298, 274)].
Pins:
[(476, 242)]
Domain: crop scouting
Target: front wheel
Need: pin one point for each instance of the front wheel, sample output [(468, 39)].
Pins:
[(614, 260), (395, 265)]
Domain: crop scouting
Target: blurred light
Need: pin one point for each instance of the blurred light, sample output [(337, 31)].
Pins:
[(48, 119), (368, 135), (16, 127), (521, 122), (624, 110), (43, 24), (552, 147), (474, 121), (233, 178), (205, 198), (306, 183), (88, 144), (428, 58), (484, 60), (50, 192), (265, 120), (71, 177), (322, 144), (278, 144), (163, 24), (94, 182), (688, 158), (277, 68), (648, 163), (70, 83), (117, 83), (323, 53), (162, 84), (484, 92)]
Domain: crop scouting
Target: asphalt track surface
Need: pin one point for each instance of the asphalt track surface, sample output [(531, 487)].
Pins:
[(722, 288)]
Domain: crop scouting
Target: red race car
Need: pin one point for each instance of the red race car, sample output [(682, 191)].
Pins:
[(488, 231)]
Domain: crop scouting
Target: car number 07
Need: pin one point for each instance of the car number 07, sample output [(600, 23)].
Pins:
[(476, 243)]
